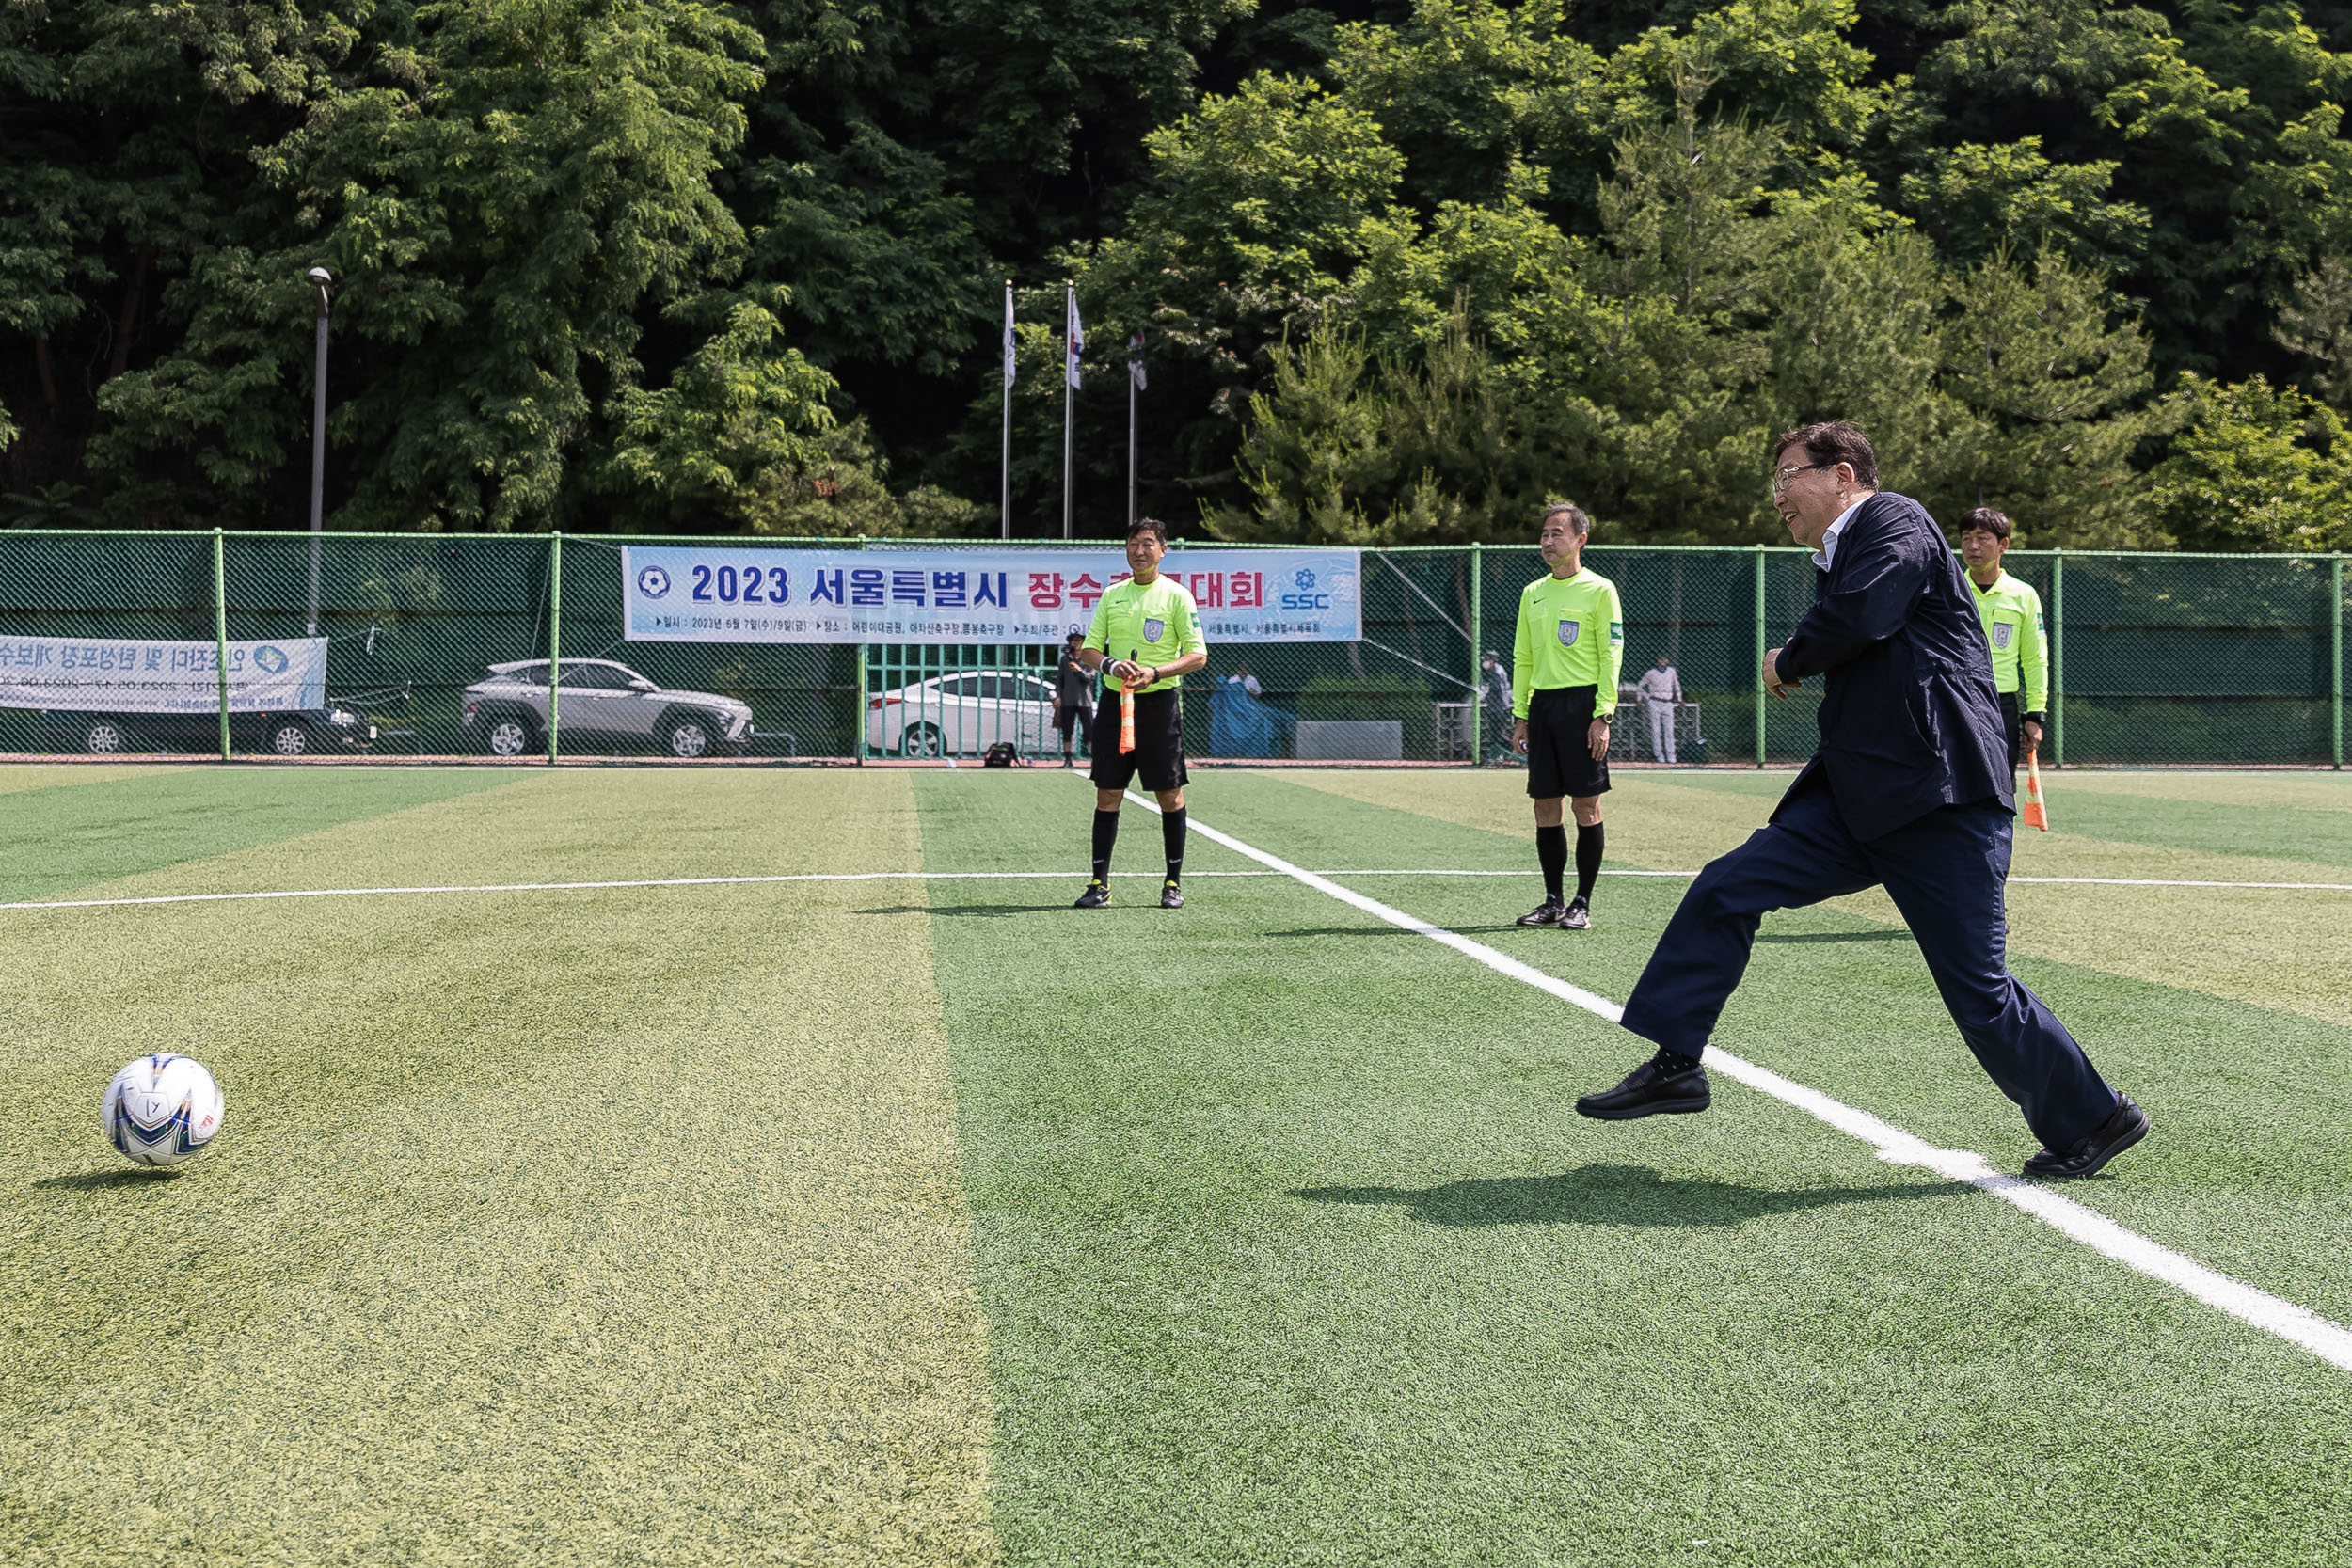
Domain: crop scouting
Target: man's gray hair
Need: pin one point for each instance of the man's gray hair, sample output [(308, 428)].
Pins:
[(1576, 515)]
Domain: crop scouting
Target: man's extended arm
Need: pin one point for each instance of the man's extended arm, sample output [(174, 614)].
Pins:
[(2033, 662), (1611, 657), (1881, 575), (1522, 663)]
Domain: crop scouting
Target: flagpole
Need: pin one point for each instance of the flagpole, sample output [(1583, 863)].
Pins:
[(1069, 312), (1004, 525)]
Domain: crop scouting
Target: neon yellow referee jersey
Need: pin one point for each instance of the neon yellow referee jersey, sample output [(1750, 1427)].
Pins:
[(1571, 633), (2011, 614), (1153, 625)]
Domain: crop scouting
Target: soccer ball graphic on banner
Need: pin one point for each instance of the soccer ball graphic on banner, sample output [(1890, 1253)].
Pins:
[(161, 1110)]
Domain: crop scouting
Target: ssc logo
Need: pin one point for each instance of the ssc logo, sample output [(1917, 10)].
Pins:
[(653, 582), (2002, 633), (1568, 631), (1305, 576), (270, 659), (1152, 630)]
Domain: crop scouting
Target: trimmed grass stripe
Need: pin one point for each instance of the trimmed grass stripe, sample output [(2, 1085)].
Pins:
[(73, 834), (1293, 1252), (619, 1228)]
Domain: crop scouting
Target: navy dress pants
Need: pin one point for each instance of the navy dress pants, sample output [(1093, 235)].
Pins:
[(1946, 872)]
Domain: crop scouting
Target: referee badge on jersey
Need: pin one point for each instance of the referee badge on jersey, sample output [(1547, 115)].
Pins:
[(2003, 633), (1152, 630), (1568, 631)]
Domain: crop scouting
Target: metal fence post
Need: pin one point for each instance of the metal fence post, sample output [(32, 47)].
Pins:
[(555, 647), (862, 701), (2335, 664), (221, 631), (1760, 655), (1478, 635), (2058, 660)]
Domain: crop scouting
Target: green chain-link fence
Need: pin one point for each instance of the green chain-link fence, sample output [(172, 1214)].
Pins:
[(2155, 658)]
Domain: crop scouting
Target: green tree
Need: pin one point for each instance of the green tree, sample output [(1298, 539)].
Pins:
[(2257, 467), (2054, 377)]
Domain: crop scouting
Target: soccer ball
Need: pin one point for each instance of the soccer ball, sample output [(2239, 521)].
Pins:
[(161, 1110)]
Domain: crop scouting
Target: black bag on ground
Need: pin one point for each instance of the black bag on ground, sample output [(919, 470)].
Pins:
[(1002, 755)]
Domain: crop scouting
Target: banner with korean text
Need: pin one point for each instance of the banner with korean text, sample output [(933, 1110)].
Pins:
[(699, 594), (89, 674)]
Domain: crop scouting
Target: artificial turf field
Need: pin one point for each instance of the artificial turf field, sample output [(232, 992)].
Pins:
[(908, 1220)]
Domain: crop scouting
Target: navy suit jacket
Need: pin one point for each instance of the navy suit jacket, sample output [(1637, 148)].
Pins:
[(1910, 721)]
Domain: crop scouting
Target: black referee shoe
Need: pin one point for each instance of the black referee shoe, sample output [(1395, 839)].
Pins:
[(2126, 1127), (1666, 1084), (1578, 916), (1548, 912), (1172, 894), (1095, 897)]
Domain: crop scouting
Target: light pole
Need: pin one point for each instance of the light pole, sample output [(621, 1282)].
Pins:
[(320, 281)]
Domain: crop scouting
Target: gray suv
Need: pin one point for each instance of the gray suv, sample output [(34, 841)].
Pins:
[(507, 714)]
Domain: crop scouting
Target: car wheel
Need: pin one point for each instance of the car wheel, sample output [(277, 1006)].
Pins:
[(105, 736), (691, 734), (509, 734), (921, 740), (290, 739)]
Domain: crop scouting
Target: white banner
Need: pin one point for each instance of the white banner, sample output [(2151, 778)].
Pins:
[(89, 674), (697, 593)]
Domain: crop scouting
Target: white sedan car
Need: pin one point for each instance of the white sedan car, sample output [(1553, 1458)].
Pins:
[(962, 715)]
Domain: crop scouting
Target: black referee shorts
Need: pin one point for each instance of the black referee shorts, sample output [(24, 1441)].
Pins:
[(1560, 756), (1158, 758)]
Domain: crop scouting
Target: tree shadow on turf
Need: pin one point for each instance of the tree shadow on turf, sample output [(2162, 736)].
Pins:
[(1612, 1194)]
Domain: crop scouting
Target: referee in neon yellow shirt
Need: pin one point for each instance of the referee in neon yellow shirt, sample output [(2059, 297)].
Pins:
[(1564, 664), (1145, 631), (2011, 614)]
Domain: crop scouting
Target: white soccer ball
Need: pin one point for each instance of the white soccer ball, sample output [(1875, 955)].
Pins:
[(161, 1110)]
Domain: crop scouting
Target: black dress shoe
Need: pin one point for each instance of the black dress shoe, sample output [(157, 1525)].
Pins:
[(2126, 1127), (1663, 1085)]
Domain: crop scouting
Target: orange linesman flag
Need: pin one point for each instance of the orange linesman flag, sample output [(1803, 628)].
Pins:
[(1126, 717), (2036, 814)]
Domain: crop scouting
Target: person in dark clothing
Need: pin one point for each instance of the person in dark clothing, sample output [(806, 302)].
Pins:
[(1074, 694), (1910, 789)]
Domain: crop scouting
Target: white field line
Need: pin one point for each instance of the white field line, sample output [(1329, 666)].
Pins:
[(969, 876), (2299, 1326)]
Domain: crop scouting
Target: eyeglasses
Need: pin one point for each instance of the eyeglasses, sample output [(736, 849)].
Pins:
[(1780, 480)]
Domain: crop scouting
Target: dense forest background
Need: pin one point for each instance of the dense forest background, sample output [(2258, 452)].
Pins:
[(1403, 270)]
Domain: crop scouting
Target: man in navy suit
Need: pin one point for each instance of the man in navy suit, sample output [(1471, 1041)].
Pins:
[(1911, 789)]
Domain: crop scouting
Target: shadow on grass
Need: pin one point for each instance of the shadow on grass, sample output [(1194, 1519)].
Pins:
[(988, 911), (1394, 930), (1893, 933), (1614, 1194), (103, 1180)]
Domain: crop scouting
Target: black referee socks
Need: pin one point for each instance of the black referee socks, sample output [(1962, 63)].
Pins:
[(1587, 859), (1105, 836), (1551, 853), (1173, 840)]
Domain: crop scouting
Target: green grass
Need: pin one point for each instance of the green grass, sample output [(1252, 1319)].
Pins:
[(892, 1222)]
